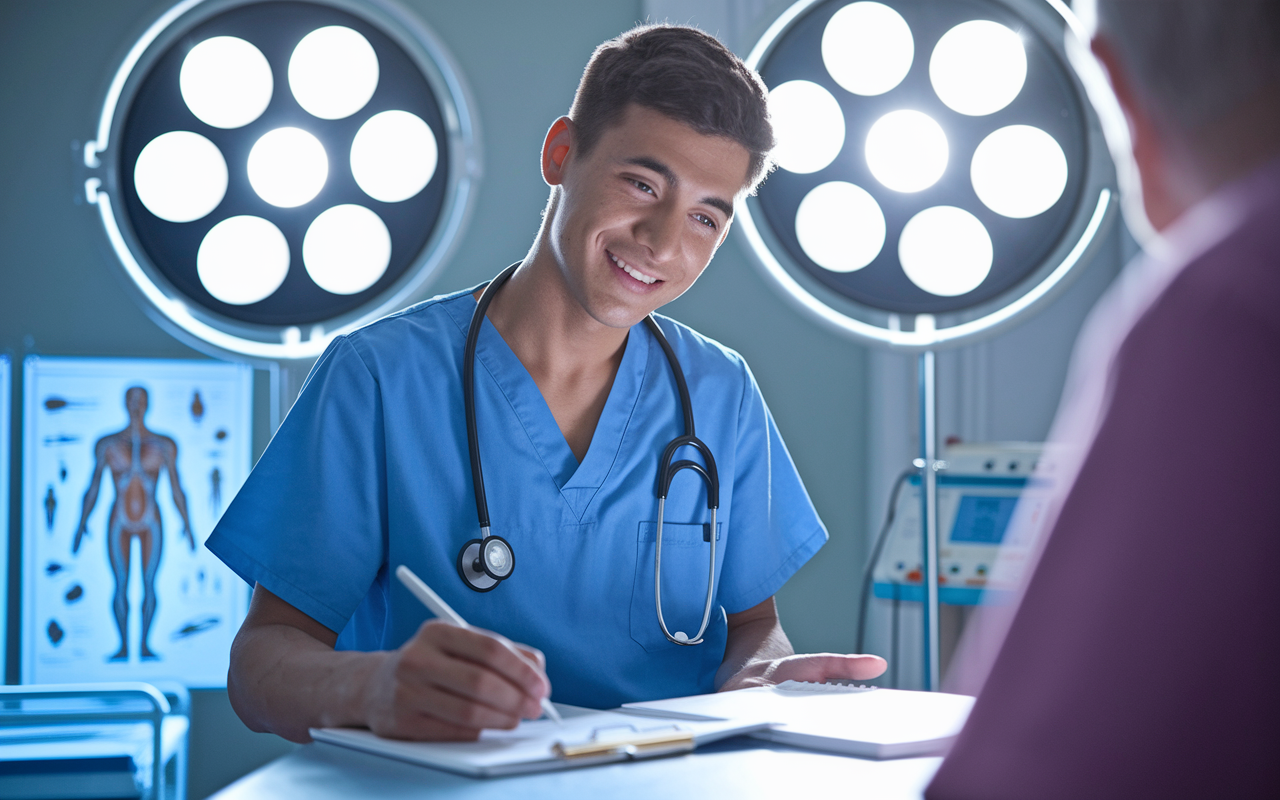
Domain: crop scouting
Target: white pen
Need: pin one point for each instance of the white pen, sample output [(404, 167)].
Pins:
[(441, 609)]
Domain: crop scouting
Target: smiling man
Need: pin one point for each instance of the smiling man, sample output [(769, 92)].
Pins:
[(575, 402)]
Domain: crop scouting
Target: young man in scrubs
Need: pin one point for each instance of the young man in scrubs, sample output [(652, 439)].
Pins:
[(575, 402)]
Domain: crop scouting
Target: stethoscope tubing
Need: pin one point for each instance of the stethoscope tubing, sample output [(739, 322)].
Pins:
[(666, 469)]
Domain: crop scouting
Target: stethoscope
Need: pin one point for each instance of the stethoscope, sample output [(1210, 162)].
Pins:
[(485, 562)]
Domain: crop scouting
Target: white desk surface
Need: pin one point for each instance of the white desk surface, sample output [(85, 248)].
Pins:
[(741, 769)]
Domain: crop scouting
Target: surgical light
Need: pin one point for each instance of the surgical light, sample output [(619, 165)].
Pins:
[(272, 173), (941, 177), (1019, 171), (945, 250)]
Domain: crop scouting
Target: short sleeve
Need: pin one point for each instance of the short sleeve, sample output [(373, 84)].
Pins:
[(309, 524), (775, 528)]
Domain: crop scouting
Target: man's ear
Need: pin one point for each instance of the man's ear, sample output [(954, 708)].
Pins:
[(556, 150)]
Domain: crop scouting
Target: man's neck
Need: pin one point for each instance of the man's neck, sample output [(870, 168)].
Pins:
[(547, 327), (571, 356)]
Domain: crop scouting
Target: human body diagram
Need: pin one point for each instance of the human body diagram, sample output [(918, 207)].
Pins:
[(136, 457)]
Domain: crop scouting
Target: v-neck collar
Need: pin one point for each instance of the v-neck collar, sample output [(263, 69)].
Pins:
[(577, 482)]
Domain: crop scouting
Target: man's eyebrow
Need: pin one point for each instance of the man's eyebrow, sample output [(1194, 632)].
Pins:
[(657, 166), (723, 205), (672, 180)]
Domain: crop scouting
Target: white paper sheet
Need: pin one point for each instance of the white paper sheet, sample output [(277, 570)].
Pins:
[(876, 723)]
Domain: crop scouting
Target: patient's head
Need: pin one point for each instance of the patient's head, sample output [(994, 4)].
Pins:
[(1199, 81)]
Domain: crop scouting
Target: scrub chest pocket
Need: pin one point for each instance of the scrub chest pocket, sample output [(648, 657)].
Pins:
[(686, 551)]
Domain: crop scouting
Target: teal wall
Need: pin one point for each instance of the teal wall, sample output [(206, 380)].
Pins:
[(62, 293)]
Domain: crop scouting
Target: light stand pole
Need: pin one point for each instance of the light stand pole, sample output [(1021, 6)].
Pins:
[(926, 380)]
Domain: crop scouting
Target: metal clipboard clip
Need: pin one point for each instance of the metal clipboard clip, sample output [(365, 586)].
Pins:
[(633, 744)]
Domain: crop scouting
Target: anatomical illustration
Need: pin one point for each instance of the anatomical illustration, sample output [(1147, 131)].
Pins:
[(135, 456)]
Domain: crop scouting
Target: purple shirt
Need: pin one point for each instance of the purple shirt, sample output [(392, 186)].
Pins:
[(1144, 656)]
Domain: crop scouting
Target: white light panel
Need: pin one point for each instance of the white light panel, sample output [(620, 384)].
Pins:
[(945, 250), (243, 260), (346, 249), (288, 167), (907, 151), (1019, 171), (807, 124), (180, 176), (978, 67), (840, 226), (393, 156), (226, 82), (333, 72), (867, 48)]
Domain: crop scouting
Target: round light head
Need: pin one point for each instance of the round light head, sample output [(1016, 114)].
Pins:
[(937, 177), (946, 251), (346, 249), (840, 226), (288, 167), (272, 173), (242, 260)]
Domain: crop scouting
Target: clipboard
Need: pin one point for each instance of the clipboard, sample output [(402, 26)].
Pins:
[(587, 738)]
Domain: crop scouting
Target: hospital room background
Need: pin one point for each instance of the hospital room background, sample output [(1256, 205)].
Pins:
[(848, 409)]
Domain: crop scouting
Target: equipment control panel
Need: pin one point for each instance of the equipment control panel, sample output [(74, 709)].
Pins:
[(979, 555)]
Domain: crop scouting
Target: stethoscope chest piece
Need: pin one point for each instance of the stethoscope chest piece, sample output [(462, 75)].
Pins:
[(484, 563)]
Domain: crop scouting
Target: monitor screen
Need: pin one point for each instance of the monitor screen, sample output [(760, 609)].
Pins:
[(982, 519)]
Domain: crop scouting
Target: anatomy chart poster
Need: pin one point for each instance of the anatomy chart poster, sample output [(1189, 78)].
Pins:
[(128, 464)]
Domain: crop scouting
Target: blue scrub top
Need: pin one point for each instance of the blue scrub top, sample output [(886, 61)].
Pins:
[(370, 470)]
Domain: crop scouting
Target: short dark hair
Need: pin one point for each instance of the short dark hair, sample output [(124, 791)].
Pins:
[(683, 73)]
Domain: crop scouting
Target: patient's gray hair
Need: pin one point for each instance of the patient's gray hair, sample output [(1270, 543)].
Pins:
[(1193, 60)]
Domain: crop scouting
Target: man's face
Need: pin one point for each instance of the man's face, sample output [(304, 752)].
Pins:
[(640, 215)]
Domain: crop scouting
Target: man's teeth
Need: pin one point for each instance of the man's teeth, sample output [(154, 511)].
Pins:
[(632, 271)]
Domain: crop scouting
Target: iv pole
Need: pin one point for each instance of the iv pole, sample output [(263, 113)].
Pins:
[(926, 382)]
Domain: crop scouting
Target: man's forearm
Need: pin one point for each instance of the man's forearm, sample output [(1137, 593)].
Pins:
[(284, 681)]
